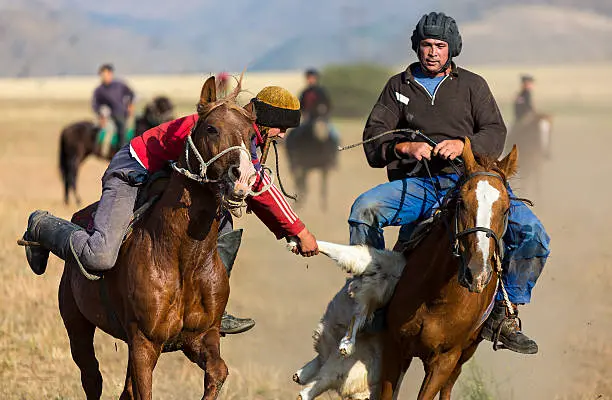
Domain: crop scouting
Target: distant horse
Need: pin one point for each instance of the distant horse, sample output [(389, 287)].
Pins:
[(533, 135), (80, 139), (438, 306), (168, 289), (311, 147)]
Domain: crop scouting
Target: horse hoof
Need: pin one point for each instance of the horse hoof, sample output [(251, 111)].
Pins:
[(296, 378)]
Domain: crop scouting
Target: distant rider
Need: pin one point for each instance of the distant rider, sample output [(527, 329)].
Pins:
[(118, 97)]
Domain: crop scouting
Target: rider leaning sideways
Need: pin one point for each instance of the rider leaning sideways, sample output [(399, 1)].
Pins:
[(276, 110), (447, 103)]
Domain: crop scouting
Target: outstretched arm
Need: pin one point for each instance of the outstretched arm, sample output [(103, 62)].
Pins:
[(274, 211)]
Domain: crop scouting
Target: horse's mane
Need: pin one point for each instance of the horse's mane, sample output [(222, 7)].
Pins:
[(489, 163)]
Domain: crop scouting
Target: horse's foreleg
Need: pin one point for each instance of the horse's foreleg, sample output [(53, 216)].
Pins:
[(438, 370), (300, 183), (324, 189), (215, 368), (143, 355), (392, 369), (445, 393), (81, 334)]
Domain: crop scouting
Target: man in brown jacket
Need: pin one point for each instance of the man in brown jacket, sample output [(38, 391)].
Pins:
[(447, 103)]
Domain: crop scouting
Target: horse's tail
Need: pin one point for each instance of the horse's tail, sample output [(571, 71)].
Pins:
[(361, 259), (64, 163), (67, 165)]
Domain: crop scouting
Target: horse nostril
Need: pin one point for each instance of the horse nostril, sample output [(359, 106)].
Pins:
[(234, 172)]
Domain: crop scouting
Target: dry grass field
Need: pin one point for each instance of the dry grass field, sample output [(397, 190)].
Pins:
[(571, 316)]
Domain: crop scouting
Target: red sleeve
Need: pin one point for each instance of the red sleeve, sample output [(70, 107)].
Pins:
[(273, 210), (163, 143)]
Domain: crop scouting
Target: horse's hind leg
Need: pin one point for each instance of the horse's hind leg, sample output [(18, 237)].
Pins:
[(128, 392), (74, 172), (143, 356), (81, 335)]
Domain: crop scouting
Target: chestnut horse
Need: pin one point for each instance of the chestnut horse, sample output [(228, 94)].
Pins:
[(168, 289), (440, 303)]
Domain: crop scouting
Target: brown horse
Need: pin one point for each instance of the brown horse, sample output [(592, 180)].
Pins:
[(168, 289), (79, 140), (533, 135), (439, 303)]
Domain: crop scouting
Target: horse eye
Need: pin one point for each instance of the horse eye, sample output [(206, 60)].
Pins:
[(211, 129)]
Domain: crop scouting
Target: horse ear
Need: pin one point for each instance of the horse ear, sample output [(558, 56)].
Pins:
[(468, 156), (509, 164), (209, 91), (250, 108)]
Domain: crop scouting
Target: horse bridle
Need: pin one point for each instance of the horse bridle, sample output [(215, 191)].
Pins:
[(202, 176), (499, 245)]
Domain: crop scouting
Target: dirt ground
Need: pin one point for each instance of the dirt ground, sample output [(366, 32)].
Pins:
[(571, 314)]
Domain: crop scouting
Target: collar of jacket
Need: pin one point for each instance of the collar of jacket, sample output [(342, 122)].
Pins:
[(408, 76)]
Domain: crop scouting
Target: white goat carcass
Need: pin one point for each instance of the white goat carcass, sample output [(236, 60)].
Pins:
[(348, 363)]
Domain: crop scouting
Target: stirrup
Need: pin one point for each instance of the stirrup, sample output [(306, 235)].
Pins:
[(497, 344)]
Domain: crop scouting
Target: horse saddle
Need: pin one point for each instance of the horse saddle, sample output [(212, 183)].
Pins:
[(419, 233), (150, 191)]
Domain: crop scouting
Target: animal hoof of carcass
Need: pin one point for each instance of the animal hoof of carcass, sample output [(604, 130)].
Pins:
[(296, 378), (346, 347)]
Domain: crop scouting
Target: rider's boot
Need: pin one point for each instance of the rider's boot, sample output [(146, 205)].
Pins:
[(227, 246), (52, 233), (506, 328)]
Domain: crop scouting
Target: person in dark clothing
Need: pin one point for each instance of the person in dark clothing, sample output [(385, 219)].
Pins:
[(118, 97), (447, 103), (522, 104), (314, 100), (315, 104)]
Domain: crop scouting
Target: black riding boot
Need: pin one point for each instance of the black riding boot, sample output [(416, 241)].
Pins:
[(52, 233), (508, 327), (227, 246)]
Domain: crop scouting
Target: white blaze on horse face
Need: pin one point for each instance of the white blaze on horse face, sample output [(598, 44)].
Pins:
[(486, 196), (247, 172)]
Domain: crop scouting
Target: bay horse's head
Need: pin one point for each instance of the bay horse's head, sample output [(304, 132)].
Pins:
[(218, 149), (483, 205)]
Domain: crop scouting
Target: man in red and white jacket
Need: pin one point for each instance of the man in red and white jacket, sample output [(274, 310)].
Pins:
[(276, 110)]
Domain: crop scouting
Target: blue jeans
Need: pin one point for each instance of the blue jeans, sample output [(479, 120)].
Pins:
[(406, 202)]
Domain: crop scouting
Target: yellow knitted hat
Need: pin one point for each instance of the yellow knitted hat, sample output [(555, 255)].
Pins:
[(276, 107)]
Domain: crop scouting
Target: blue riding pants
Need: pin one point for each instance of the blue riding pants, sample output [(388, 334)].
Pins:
[(407, 201)]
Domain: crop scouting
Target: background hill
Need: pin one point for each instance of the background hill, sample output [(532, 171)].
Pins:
[(59, 37)]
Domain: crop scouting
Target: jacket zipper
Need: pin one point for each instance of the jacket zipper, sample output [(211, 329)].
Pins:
[(433, 98)]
